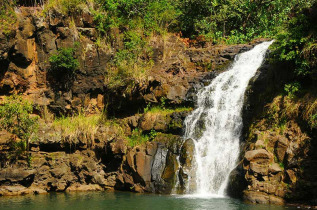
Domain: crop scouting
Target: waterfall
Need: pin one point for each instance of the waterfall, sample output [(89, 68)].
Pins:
[(215, 125)]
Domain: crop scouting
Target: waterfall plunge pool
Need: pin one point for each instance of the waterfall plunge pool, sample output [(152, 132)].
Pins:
[(124, 200)]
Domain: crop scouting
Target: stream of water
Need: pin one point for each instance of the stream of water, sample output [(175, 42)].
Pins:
[(216, 124)]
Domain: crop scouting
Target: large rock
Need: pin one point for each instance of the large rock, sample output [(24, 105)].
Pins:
[(257, 154), (158, 166), (17, 175), (143, 165), (281, 147), (187, 153)]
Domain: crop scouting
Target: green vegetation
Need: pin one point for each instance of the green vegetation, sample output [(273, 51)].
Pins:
[(128, 26), (7, 16), (137, 138), (292, 89), (64, 62), (313, 120), (281, 164), (163, 109), (230, 20), (66, 7), (16, 117), (158, 109), (77, 127), (296, 48)]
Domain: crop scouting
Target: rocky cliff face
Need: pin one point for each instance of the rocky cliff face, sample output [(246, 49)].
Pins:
[(107, 161), (278, 155), (25, 53), (104, 159)]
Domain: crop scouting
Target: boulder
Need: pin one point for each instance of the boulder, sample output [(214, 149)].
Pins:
[(256, 197), (143, 165), (257, 154), (275, 168), (17, 175), (260, 168), (281, 147)]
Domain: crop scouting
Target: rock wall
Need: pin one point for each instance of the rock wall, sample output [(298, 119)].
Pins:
[(277, 161), (106, 162), (25, 57)]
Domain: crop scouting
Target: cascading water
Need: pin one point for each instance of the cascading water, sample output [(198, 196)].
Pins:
[(215, 125)]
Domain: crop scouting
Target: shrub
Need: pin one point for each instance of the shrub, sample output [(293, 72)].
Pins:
[(64, 62), (16, 118), (292, 89)]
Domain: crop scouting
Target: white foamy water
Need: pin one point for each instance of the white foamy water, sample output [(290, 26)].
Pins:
[(216, 124)]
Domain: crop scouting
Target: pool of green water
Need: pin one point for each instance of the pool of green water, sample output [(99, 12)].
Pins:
[(123, 200)]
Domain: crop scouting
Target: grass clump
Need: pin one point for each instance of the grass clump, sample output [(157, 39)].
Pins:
[(163, 108), (7, 16), (137, 138), (127, 69), (165, 111), (66, 7), (77, 127)]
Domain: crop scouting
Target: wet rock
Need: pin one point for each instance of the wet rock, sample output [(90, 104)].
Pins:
[(256, 197), (158, 166), (237, 182), (187, 153), (186, 158), (170, 171), (170, 141), (19, 190)]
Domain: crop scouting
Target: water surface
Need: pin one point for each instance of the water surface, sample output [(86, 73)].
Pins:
[(123, 200)]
